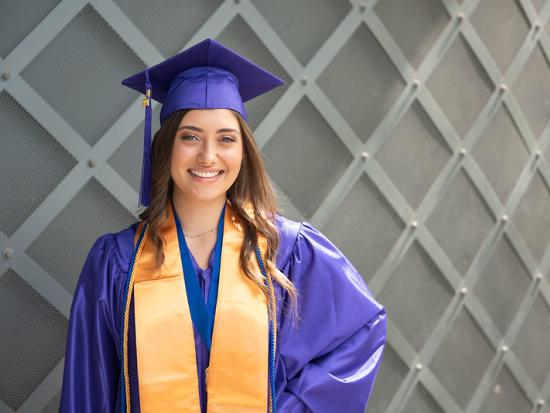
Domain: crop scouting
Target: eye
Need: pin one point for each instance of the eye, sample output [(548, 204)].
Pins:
[(188, 137), (227, 139)]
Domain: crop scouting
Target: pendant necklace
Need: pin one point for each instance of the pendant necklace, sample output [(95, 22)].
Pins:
[(202, 233)]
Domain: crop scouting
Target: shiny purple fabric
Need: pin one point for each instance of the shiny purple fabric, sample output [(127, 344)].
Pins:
[(204, 76), (203, 87), (201, 350), (326, 362)]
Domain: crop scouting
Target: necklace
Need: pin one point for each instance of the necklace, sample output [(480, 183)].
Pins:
[(202, 233)]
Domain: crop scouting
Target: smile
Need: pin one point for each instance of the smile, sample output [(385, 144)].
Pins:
[(205, 174)]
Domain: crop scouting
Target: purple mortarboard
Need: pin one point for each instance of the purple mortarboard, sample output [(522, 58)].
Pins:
[(207, 75)]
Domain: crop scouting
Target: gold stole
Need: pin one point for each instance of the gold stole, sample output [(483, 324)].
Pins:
[(237, 376)]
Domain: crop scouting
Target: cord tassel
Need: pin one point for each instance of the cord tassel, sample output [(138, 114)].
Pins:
[(272, 312)]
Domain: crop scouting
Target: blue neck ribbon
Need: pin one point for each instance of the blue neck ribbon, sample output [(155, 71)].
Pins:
[(202, 314)]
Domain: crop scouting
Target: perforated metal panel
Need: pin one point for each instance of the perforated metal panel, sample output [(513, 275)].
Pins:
[(415, 134)]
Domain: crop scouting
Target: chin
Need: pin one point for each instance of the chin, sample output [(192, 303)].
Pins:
[(201, 196), (208, 198)]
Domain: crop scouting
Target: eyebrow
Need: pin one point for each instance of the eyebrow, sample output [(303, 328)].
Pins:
[(200, 130)]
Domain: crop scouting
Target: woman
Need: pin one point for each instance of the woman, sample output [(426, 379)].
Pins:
[(214, 302)]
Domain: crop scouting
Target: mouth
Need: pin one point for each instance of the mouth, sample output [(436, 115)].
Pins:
[(205, 176)]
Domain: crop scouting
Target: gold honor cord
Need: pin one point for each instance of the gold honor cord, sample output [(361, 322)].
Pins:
[(221, 363), (272, 314), (137, 254)]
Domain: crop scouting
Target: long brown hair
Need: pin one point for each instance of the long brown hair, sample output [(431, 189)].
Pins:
[(252, 189)]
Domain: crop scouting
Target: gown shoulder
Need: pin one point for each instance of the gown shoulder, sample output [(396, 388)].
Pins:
[(329, 358), (92, 352)]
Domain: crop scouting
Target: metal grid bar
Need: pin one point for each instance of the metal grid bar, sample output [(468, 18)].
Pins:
[(304, 85)]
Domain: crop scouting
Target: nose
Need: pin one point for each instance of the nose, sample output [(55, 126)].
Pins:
[(207, 155)]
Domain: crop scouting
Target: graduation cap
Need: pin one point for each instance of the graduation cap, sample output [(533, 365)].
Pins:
[(207, 75)]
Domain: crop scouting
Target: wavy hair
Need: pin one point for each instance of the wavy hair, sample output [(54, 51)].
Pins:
[(252, 191)]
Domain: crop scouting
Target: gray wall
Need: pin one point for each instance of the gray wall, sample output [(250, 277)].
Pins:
[(415, 134)]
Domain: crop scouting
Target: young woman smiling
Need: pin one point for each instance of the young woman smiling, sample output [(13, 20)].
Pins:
[(214, 302)]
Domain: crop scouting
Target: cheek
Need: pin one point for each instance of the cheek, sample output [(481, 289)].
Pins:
[(235, 162), (179, 156), (238, 156), (177, 161), (173, 161)]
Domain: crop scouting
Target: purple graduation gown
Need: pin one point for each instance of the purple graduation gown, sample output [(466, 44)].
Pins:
[(326, 362)]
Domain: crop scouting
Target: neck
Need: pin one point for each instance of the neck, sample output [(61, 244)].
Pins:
[(197, 217)]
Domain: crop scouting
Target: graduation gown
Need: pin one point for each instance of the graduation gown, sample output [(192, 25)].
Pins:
[(325, 362)]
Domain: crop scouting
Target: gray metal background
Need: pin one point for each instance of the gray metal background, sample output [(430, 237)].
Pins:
[(415, 134)]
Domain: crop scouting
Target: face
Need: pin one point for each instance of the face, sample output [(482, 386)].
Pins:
[(207, 155)]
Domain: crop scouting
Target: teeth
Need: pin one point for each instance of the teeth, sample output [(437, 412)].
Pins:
[(204, 174)]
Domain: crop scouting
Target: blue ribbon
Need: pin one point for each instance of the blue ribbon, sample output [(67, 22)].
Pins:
[(202, 314)]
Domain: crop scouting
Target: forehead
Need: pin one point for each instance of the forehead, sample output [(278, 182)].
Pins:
[(210, 118)]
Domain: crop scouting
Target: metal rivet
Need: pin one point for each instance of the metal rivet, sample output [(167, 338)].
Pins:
[(414, 223), (540, 402), (416, 82), (538, 276), (504, 217), (464, 290), (496, 389), (92, 163), (303, 80), (463, 151), (419, 366), (8, 253), (538, 153), (537, 25), (503, 87), (365, 155), (5, 76), (504, 348), (362, 7), (460, 16)]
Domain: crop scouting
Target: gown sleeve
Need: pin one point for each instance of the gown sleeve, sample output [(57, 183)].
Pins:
[(91, 368), (330, 355)]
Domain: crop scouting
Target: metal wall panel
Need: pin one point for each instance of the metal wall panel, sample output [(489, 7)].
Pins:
[(415, 134)]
